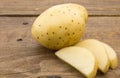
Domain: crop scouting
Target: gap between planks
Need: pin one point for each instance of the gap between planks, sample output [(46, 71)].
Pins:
[(38, 15)]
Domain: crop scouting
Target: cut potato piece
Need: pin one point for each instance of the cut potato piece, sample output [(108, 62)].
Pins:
[(81, 59), (99, 51), (111, 55)]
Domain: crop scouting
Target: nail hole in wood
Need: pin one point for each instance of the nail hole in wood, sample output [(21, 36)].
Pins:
[(25, 23), (19, 39)]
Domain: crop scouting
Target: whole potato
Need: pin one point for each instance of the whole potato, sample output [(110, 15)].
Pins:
[(60, 26)]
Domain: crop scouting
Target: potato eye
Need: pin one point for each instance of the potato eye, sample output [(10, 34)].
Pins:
[(37, 37)]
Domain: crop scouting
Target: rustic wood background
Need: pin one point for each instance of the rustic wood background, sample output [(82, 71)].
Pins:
[(22, 57)]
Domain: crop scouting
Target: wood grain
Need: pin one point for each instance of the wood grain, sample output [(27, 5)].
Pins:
[(22, 57), (35, 7)]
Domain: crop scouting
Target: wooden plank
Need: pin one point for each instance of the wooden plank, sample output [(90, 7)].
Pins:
[(35, 7), (21, 56)]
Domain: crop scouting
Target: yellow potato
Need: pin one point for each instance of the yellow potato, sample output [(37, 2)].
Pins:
[(60, 26)]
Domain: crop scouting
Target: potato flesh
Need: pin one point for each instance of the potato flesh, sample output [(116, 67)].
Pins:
[(99, 51), (111, 55), (79, 58)]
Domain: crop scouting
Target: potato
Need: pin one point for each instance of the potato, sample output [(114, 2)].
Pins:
[(99, 51), (60, 26), (81, 59), (111, 55)]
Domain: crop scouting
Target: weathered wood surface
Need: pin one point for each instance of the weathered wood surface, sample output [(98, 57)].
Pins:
[(35, 7), (22, 57)]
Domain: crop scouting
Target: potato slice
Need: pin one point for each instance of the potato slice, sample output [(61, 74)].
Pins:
[(81, 59), (99, 51), (111, 55)]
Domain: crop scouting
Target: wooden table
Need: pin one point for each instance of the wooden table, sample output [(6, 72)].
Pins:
[(22, 57)]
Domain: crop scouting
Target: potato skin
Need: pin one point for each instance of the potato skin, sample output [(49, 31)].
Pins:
[(60, 26)]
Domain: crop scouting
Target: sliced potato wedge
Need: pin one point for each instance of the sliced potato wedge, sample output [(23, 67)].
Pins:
[(99, 51), (111, 55), (81, 59)]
